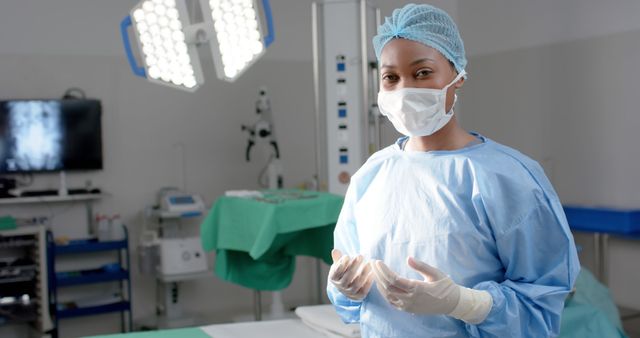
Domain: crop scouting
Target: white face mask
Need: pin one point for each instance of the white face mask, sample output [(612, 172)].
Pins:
[(417, 111)]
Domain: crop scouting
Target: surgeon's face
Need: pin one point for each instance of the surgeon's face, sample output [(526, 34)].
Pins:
[(409, 64)]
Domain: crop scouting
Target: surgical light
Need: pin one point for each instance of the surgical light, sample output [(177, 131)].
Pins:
[(168, 40)]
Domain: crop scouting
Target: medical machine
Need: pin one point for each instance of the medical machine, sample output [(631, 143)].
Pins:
[(178, 254), (263, 132), (345, 83), (172, 201), (181, 256), (172, 253)]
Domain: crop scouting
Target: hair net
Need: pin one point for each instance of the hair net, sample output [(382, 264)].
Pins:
[(425, 24)]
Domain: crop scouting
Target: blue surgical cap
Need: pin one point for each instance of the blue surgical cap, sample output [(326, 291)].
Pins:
[(425, 24)]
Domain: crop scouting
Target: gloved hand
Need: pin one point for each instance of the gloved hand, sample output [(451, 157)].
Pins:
[(351, 276), (436, 294)]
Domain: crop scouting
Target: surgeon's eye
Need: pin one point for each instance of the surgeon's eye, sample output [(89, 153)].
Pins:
[(422, 73), (389, 77)]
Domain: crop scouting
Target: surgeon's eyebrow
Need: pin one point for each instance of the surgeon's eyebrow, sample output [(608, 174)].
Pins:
[(412, 63)]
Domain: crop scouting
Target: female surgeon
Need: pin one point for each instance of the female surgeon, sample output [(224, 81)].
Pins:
[(460, 235)]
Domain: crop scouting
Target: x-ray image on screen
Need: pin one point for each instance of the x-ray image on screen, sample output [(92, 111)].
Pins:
[(35, 141), (50, 135)]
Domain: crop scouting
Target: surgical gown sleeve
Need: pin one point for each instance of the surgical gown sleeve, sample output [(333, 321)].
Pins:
[(346, 240), (539, 259)]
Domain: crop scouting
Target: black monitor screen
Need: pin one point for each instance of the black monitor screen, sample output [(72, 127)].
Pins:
[(50, 135)]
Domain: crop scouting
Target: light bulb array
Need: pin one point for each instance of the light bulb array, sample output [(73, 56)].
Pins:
[(237, 32), (164, 47), (168, 40)]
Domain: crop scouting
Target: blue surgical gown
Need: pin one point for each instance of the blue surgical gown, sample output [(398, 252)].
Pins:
[(486, 215)]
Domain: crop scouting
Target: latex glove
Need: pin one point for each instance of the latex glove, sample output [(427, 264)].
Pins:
[(352, 276), (436, 294)]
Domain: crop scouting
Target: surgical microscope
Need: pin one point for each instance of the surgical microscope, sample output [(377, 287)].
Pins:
[(262, 132)]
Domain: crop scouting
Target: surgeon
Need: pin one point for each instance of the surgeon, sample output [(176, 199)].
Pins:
[(446, 233)]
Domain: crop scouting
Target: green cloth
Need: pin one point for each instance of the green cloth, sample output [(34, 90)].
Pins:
[(590, 311), (192, 332), (256, 240), (8, 223)]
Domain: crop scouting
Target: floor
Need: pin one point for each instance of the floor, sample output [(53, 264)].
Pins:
[(631, 325)]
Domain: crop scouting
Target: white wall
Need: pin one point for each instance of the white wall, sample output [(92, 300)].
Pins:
[(557, 80), (493, 26)]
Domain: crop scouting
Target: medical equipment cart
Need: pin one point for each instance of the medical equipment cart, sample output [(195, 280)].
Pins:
[(23, 281), (116, 272), (173, 256), (602, 223)]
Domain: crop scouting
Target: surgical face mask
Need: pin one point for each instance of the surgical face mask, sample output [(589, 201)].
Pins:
[(417, 111)]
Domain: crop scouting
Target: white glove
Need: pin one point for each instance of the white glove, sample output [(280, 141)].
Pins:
[(437, 294), (351, 276)]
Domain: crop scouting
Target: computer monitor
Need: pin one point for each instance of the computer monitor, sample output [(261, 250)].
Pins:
[(50, 135)]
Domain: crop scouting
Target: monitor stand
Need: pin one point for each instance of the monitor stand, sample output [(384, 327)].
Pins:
[(62, 189)]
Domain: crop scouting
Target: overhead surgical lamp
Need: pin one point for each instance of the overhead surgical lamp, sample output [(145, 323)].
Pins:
[(168, 40)]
